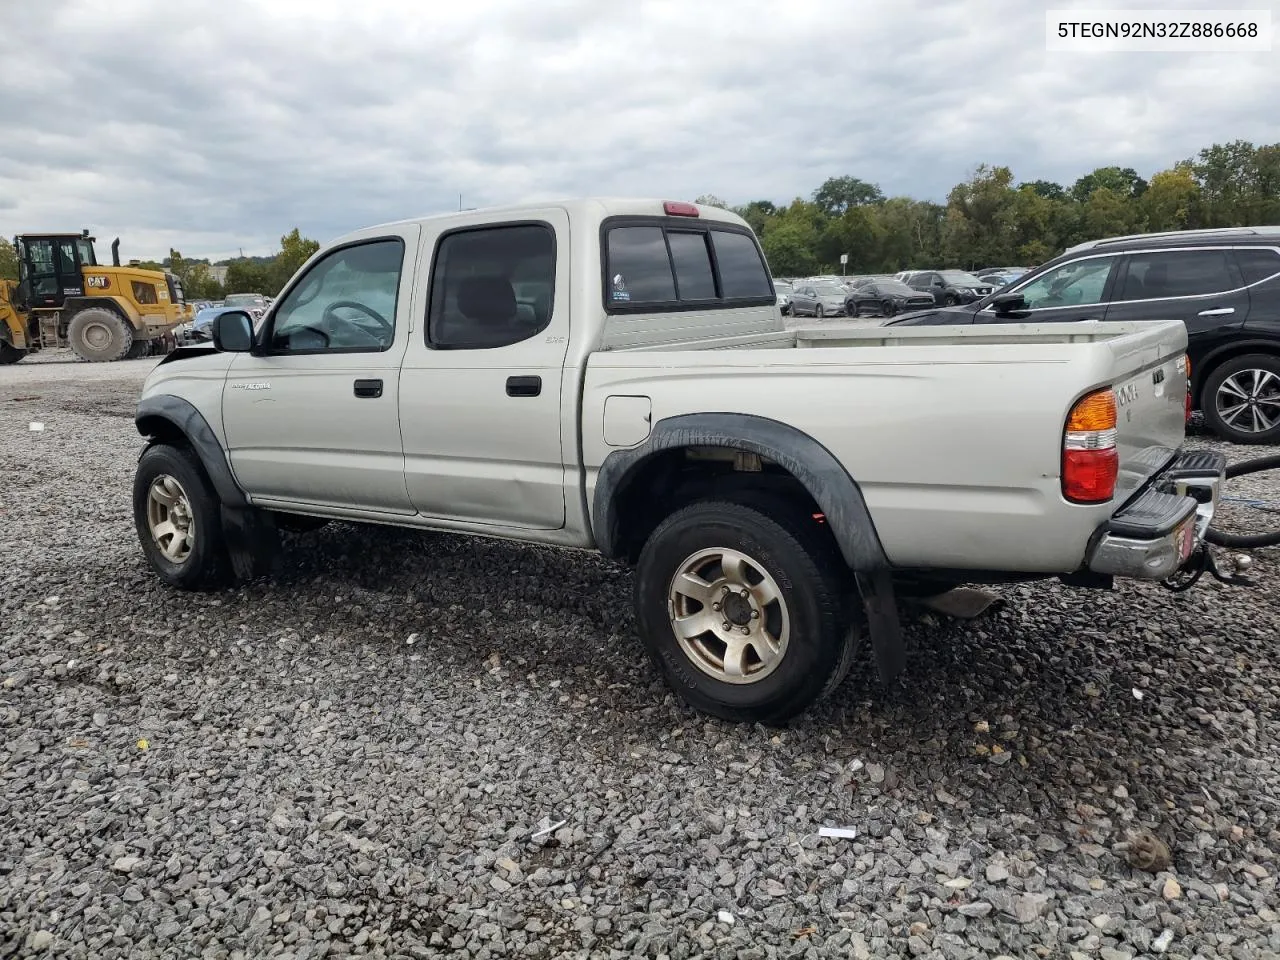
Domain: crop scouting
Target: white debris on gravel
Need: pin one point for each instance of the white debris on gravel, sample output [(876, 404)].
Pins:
[(314, 786)]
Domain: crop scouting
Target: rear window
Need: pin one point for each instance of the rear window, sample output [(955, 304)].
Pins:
[(1178, 273), (650, 266), (1258, 263)]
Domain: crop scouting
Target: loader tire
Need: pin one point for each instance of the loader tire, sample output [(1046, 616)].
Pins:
[(99, 335)]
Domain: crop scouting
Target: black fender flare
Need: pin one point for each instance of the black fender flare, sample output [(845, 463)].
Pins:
[(828, 482), (818, 471), (183, 417)]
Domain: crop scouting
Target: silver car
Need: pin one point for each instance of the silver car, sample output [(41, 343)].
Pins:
[(818, 298)]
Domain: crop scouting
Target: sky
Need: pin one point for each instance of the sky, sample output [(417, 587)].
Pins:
[(213, 127)]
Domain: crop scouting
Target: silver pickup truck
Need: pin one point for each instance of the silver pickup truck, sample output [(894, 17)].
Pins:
[(615, 375)]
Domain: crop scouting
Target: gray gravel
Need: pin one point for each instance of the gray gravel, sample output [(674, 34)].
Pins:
[(352, 758)]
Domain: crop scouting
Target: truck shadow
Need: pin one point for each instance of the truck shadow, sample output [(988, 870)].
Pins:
[(1007, 709)]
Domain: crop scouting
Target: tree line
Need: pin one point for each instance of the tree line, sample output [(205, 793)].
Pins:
[(993, 220)]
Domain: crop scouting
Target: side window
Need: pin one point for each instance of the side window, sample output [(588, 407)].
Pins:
[(1257, 263), (742, 272), (491, 286), (346, 302), (66, 257), (1178, 273), (694, 280), (1080, 282), (639, 268)]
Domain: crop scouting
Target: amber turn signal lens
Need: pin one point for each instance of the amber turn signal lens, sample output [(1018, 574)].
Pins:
[(1094, 411)]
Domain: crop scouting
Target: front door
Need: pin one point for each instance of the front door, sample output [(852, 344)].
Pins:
[(1071, 292), (481, 393), (311, 418)]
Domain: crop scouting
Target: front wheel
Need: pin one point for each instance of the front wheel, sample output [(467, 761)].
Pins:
[(817, 312), (745, 612), (1241, 399), (888, 308), (99, 335), (177, 516), (950, 300)]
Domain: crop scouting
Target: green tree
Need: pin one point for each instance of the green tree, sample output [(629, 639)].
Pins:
[(295, 250), (1109, 213), (978, 228), (1121, 180), (247, 276), (788, 246), (1172, 199), (706, 200), (8, 261), (1047, 189), (838, 194), (757, 213)]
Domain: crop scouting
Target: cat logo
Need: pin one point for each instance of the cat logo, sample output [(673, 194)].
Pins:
[(98, 283)]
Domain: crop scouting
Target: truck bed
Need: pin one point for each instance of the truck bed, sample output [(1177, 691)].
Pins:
[(954, 434)]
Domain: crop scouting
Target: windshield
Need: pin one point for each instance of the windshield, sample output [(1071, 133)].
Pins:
[(829, 290), (961, 279), (243, 298)]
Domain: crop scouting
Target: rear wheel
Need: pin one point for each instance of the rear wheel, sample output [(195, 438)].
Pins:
[(888, 308), (817, 312), (9, 353), (1241, 399), (745, 610), (851, 308), (99, 335), (178, 519), (140, 348)]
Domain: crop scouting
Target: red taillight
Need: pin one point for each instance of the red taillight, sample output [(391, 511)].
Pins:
[(1090, 461), (678, 208)]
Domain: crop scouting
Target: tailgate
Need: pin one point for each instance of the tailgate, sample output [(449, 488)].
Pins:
[(1150, 384)]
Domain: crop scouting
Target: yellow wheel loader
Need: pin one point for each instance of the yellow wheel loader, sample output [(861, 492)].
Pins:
[(65, 298)]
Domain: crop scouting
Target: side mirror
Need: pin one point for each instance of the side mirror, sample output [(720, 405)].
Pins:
[(1008, 303), (232, 332)]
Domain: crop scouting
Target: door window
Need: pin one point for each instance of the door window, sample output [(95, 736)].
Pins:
[(44, 282), (1078, 283), (491, 286), (1178, 273), (1258, 263), (346, 303), (67, 258)]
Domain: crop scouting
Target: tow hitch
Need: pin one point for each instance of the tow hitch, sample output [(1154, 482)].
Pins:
[(1202, 561)]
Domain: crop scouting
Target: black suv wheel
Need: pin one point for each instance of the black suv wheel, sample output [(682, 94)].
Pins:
[(1241, 399)]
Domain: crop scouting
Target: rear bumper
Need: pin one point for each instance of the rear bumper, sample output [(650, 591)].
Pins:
[(1153, 535)]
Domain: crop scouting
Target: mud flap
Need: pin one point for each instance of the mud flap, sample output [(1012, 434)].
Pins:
[(882, 623), (253, 542)]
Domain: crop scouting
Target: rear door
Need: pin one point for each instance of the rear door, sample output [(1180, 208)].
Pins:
[(1201, 287), (482, 383)]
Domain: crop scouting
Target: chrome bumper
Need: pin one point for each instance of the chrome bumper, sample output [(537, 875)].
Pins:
[(1153, 535)]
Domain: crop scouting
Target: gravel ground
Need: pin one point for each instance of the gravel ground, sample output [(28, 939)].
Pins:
[(352, 758)]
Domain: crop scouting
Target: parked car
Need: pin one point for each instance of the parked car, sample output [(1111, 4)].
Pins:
[(255, 304), (783, 289), (818, 298), (1224, 284), (448, 373), (885, 298), (949, 287)]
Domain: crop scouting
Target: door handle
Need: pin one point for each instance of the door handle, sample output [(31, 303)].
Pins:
[(368, 388), (524, 386), (1219, 312)]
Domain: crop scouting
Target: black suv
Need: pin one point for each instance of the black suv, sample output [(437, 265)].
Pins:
[(949, 287), (1224, 284)]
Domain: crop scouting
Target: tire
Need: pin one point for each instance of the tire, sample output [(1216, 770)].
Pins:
[(1256, 374), (888, 308), (807, 609), (99, 335), (851, 309), (9, 353), (138, 350), (817, 312), (950, 300), (200, 563)]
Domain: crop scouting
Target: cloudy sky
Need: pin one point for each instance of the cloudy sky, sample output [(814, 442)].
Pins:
[(212, 127)]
